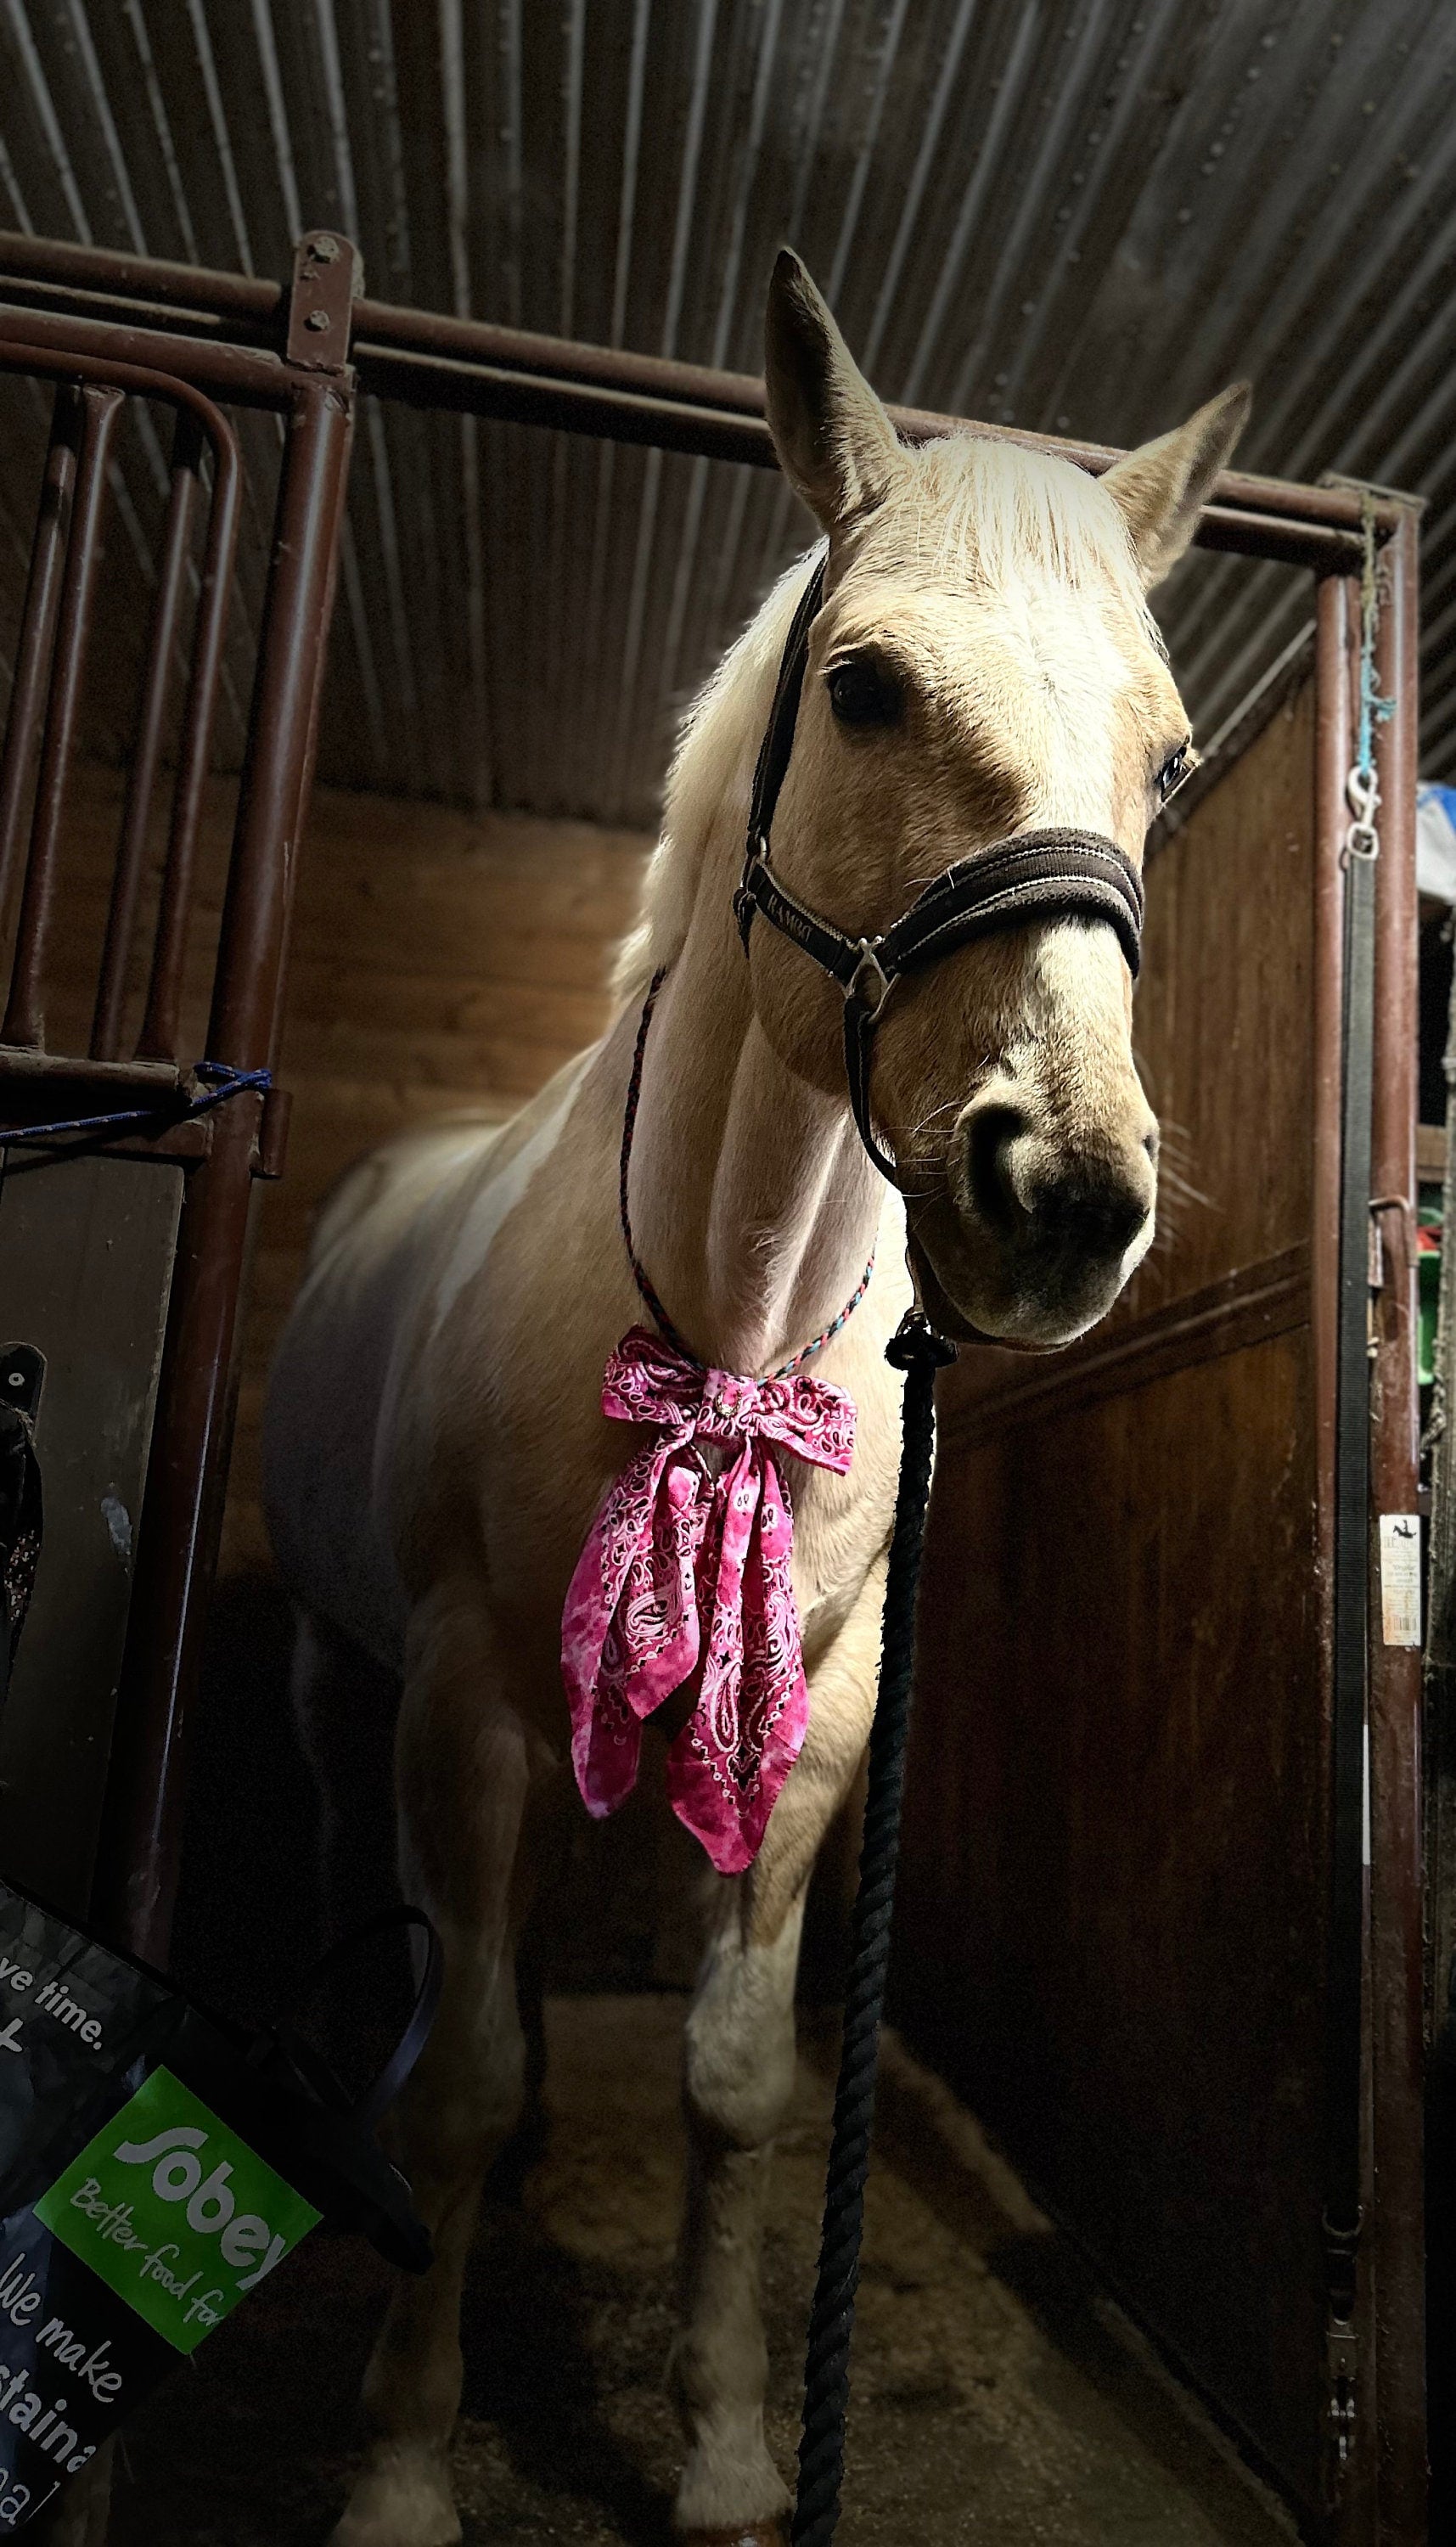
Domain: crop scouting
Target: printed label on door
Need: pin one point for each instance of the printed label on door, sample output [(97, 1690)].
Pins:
[(1400, 1578)]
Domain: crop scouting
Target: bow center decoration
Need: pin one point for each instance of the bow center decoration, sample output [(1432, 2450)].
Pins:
[(687, 1571)]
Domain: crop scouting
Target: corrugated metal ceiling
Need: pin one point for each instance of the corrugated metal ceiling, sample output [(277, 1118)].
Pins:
[(1081, 215)]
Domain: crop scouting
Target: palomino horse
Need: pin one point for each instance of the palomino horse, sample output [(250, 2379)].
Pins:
[(982, 664)]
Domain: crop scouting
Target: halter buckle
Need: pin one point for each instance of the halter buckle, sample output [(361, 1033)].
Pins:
[(881, 983), (745, 900)]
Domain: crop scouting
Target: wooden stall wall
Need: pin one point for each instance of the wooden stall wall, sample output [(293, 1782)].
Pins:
[(1113, 1907), (442, 962)]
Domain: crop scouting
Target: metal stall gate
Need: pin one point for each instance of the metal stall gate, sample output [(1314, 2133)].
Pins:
[(122, 1242), (1118, 1930), (1128, 1690)]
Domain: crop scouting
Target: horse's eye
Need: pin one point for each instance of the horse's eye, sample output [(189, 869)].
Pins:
[(860, 693), (1173, 771)]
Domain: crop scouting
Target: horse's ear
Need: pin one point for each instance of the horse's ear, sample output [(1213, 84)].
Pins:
[(833, 437), (1160, 488)]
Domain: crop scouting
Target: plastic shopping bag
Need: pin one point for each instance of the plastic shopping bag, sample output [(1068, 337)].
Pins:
[(156, 2164)]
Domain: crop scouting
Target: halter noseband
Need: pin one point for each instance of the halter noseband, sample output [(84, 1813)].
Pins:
[(1033, 875)]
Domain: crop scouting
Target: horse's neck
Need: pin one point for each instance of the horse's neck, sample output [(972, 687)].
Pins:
[(753, 1205)]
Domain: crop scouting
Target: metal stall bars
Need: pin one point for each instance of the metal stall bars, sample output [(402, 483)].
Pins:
[(178, 318), (122, 1239)]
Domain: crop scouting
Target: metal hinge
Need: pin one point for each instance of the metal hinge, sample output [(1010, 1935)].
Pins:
[(327, 280), (1342, 2362), (1375, 1280)]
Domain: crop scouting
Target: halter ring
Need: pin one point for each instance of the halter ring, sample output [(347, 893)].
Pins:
[(882, 983)]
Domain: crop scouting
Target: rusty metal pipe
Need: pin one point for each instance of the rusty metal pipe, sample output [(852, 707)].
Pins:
[(137, 1864), (142, 1825), (80, 362), (108, 355), (38, 627), (106, 1030), (158, 1039), (381, 329), (25, 1017), (109, 271), (435, 360), (281, 728), (1313, 530), (111, 380), (241, 374)]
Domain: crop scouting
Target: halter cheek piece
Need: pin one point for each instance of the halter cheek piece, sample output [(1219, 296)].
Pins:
[(1033, 875)]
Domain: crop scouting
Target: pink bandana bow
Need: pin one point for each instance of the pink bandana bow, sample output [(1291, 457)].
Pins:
[(684, 1567)]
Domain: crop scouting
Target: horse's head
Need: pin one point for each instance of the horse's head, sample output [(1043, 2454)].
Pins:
[(983, 664)]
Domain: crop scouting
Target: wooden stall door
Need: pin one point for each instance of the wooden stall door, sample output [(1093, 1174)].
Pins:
[(1111, 1931)]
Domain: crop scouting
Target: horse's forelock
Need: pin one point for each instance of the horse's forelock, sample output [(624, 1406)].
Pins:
[(997, 514)]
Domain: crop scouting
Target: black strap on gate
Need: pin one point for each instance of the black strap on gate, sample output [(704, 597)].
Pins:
[(1344, 2009), (21, 1502), (1342, 2209), (285, 2100)]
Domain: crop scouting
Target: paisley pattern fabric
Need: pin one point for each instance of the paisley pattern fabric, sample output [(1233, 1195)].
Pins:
[(687, 1571)]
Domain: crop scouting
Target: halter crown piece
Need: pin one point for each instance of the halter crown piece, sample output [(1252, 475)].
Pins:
[(687, 1568)]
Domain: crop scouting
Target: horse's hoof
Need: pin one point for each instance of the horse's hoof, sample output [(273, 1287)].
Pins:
[(758, 2533), (401, 2499), (363, 2528)]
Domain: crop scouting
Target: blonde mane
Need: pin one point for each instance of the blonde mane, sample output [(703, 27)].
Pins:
[(962, 509)]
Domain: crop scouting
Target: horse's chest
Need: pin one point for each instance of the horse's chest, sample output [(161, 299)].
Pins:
[(840, 1527)]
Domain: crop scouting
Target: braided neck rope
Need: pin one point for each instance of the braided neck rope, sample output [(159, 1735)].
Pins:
[(639, 1274)]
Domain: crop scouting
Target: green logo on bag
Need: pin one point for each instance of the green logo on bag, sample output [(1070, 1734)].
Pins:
[(174, 2211)]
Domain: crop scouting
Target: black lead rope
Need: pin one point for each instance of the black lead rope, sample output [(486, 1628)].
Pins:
[(918, 1351), (371, 2107), (280, 2093)]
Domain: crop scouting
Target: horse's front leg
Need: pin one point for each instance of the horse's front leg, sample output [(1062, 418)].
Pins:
[(466, 1769), (738, 2081)]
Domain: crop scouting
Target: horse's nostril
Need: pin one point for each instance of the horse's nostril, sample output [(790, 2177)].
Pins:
[(1097, 1214), (991, 1131), (1090, 1207)]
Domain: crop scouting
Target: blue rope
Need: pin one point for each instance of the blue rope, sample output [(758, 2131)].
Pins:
[(219, 1082)]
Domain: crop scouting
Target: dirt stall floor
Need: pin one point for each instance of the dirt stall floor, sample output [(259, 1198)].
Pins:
[(998, 2400)]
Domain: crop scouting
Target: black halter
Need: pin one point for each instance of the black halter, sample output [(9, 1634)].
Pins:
[(1033, 875)]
